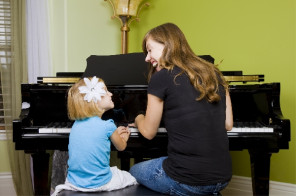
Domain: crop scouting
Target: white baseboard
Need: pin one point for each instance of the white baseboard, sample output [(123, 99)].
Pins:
[(239, 185), (6, 184), (244, 185)]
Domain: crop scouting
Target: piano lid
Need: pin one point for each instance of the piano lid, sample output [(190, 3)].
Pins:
[(121, 69), (129, 69)]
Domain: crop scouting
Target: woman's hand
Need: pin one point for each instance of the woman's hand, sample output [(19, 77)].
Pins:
[(132, 125), (138, 119), (148, 124)]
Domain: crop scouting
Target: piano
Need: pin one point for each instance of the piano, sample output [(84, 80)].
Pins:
[(43, 124)]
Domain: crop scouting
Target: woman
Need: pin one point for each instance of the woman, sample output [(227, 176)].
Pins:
[(191, 96)]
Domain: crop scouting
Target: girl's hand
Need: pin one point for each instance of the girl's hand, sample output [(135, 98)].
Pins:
[(119, 137), (124, 133), (122, 129)]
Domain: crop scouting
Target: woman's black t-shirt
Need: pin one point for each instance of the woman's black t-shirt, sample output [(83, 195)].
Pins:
[(198, 147)]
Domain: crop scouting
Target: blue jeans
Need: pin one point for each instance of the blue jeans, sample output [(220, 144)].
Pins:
[(151, 174)]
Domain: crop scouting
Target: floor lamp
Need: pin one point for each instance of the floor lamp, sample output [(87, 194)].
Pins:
[(126, 11)]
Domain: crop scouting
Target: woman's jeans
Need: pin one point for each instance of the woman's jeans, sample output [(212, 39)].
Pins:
[(151, 174)]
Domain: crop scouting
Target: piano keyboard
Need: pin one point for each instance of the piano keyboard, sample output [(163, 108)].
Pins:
[(63, 127), (54, 130), (252, 130), (234, 129), (67, 130), (134, 131), (250, 127)]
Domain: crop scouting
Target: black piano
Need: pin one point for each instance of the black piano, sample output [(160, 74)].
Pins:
[(43, 124)]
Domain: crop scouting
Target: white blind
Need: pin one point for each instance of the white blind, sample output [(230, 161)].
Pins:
[(5, 51)]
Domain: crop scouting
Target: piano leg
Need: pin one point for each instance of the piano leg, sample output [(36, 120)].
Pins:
[(260, 168), (125, 163), (125, 158), (41, 171)]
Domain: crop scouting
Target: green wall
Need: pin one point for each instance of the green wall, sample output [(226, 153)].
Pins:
[(4, 161), (255, 36), (79, 29)]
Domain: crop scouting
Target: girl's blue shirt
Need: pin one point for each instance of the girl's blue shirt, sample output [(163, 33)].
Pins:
[(89, 152)]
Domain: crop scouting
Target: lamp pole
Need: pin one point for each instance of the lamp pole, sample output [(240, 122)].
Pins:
[(124, 32)]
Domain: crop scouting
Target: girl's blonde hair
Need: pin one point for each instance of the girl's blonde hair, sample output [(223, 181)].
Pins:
[(204, 76), (78, 108)]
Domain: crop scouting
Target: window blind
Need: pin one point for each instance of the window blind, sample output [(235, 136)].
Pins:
[(5, 53)]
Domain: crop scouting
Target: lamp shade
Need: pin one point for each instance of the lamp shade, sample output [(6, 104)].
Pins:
[(133, 7), (127, 7)]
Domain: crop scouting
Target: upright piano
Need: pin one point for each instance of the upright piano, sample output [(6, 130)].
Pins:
[(43, 124)]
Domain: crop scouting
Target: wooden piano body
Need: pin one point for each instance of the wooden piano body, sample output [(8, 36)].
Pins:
[(259, 125)]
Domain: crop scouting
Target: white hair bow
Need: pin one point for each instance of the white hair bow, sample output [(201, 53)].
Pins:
[(93, 90)]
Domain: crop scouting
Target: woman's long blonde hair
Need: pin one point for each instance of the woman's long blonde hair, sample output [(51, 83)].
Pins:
[(78, 108), (204, 75)]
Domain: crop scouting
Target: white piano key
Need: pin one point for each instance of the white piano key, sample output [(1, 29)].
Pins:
[(161, 130), (63, 130), (54, 130), (236, 129), (45, 130), (135, 130), (269, 130), (258, 130)]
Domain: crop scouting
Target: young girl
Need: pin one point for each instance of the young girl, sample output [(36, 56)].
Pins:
[(89, 140)]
